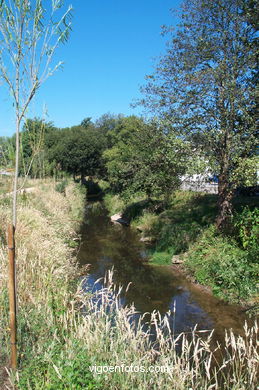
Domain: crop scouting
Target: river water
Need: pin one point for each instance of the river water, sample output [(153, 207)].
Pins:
[(106, 245)]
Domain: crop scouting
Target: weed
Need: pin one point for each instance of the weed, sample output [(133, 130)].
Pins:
[(61, 187)]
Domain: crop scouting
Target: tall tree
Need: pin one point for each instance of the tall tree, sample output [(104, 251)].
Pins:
[(78, 151), (204, 86)]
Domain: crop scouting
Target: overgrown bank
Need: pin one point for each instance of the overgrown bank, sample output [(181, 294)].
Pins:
[(183, 230), (57, 344), (48, 351)]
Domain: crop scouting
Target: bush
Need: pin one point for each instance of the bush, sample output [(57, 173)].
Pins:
[(218, 262), (61, 187), (113, 203), (161, 258), (61, 368), (247, 230)]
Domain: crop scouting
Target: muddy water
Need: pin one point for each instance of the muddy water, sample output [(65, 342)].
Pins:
[(105, 246)]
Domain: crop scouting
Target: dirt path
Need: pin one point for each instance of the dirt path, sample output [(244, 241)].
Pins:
[(21, 191)]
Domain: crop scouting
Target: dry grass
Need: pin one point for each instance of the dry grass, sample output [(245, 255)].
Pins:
[(47, 221), (53, 316), (112, 338)]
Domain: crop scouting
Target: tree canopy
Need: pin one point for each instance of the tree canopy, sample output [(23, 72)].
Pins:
[(204, 85), (144, 158)]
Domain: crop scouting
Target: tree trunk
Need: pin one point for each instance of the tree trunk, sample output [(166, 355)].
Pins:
[(225, 207), (16, 171)]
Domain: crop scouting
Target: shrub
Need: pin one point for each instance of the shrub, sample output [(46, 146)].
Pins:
[(61, 187), (247, 230), (113, 203), (58, 369), (218, 262), (161, 258)]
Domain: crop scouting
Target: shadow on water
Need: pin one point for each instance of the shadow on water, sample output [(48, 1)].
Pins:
[(105, 246)]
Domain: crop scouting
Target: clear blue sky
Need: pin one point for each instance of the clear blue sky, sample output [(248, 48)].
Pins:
[(111, 49)]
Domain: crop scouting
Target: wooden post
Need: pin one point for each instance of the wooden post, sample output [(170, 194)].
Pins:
[(12, 294)]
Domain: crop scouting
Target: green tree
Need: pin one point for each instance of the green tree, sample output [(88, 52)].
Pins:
[(6, 152), (204, 86), (144, 158), (34, 150), (78, 151), (86, 122), (106, 124)]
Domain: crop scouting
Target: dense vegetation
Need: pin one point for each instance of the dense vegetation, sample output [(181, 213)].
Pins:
[(183, 230)]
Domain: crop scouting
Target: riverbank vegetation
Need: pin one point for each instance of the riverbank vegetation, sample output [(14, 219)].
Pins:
[(63, 331), (183, 231)]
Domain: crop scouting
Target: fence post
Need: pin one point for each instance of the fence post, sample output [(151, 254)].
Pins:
[(12, 294)]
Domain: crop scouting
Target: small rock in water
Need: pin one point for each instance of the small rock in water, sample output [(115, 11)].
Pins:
[(177, 260), (117, 218), (146, 239)]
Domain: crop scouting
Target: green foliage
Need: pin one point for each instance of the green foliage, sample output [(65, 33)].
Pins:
[(245, 172), (247, 225), (7, 152), (33, 147), (144, 158), (61, 187), (104, 185), (161, 258), (62, 368), (177, 227), (136, 206), (113, 203), (78, 150), (219, 262), (206, 91)]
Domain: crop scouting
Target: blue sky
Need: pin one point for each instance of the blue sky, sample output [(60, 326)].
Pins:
[(112, 47)]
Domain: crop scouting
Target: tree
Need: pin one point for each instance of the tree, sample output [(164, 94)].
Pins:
[(144, 158), (105, 126), (6, 152), (33, 147), (204, 86), (78, 151), (86, 122), (29, 37)]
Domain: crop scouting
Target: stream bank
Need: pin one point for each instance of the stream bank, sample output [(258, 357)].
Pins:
[(184, 228), (107, 246)]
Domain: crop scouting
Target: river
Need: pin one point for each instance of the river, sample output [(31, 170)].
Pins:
[(106, 246)]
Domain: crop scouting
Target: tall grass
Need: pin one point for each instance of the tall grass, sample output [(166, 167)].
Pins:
[(63, 331)]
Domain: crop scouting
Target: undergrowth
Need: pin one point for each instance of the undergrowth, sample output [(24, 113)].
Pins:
[(185, 227)]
